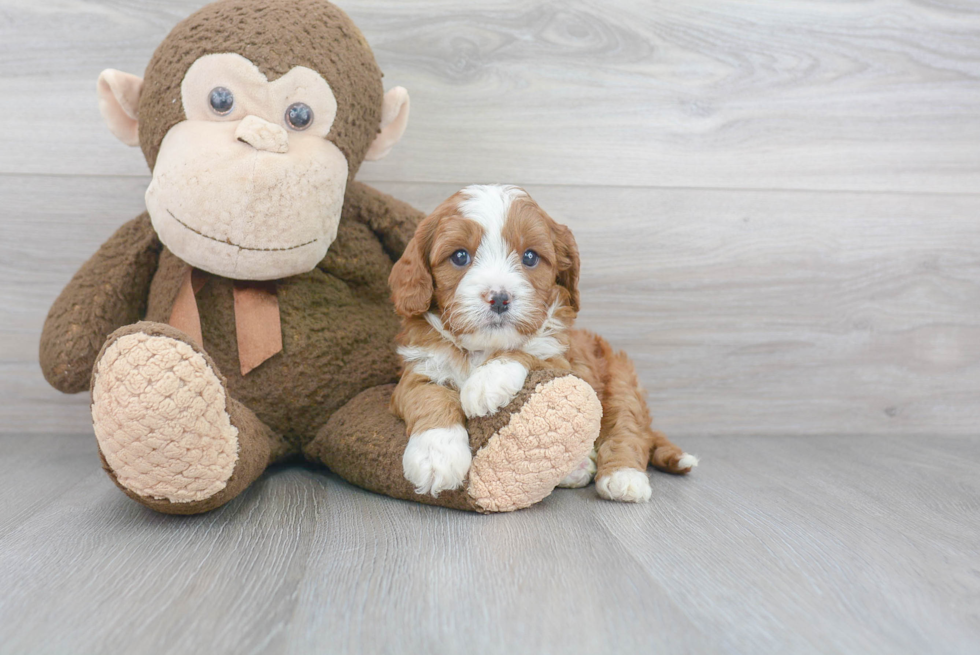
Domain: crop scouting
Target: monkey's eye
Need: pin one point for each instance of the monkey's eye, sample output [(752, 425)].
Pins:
[(530, 258), (222, 100), (299, 116), (460, 258)]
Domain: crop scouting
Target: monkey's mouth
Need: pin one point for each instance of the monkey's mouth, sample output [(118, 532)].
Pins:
[(235, 245)]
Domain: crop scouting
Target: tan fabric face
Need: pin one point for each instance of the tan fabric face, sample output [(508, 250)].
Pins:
[(242, 213), (254, 94), (227, 196)]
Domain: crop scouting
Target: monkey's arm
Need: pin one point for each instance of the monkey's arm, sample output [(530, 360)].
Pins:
[(392, 220), (109, 291)]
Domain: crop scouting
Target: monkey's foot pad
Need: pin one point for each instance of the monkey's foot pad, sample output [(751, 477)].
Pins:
[(161, 419), (522, 463)]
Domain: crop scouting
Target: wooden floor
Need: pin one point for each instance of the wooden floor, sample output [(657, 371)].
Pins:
[(778, 208), (775, 545)]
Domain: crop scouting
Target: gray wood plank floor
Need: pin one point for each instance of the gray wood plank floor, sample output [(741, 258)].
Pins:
[(774, 545)]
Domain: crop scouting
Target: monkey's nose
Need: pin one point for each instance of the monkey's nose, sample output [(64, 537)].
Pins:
[(499, 303), (262, 135)]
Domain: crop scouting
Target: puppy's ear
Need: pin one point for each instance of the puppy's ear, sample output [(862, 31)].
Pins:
[(411, 277), (566, 251)]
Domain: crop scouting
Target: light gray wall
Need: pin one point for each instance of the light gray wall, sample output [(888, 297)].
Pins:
[(778, 204)]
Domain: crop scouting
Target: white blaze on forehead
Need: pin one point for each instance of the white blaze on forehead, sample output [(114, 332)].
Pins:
[(495, 267), (488, 205)]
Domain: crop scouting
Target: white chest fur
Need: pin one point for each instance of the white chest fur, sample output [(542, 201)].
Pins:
[(453, 366)]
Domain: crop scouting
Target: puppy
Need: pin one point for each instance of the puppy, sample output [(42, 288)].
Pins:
[(488, 291)]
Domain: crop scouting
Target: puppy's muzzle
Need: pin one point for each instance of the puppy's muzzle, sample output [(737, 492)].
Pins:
[(499, 303)]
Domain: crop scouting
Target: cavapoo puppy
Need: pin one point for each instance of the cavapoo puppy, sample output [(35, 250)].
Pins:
[(488, 290)]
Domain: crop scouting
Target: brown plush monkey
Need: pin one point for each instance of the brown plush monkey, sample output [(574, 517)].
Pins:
[(244, 318)]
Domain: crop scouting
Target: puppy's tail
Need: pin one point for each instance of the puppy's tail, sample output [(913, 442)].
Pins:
[(670, 458)]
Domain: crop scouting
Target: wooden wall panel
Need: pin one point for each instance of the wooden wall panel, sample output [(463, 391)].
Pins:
[(880, 96), (746, 312)]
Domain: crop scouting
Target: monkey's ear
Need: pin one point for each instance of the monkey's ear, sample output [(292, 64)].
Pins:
[(119, 98), (394, 120)]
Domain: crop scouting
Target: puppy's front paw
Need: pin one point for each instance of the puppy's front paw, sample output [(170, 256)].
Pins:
[(625, 485), (582, 475), (437, 460), (491, 386)]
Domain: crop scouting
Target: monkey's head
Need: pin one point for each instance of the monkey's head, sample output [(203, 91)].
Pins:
[(253, 116)]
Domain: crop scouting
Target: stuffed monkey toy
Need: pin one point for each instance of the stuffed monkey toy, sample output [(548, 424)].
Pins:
[(244, 319)]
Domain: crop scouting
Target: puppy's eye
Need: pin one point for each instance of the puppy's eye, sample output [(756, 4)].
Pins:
[(460, 258), (299, 116), (222, 100), (531, 258)]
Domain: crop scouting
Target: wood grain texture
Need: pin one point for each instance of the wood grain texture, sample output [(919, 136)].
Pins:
[(743, 94), (777, 209), (789, 545), (753, 313)]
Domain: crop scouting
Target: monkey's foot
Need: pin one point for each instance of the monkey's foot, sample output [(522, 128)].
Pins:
[(161, 417), (546, 438)]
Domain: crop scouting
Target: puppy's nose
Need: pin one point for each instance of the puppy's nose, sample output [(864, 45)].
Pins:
[(262, 135), (499, 303)]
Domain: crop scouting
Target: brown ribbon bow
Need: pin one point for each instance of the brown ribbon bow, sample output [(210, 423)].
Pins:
[(257, 322)]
